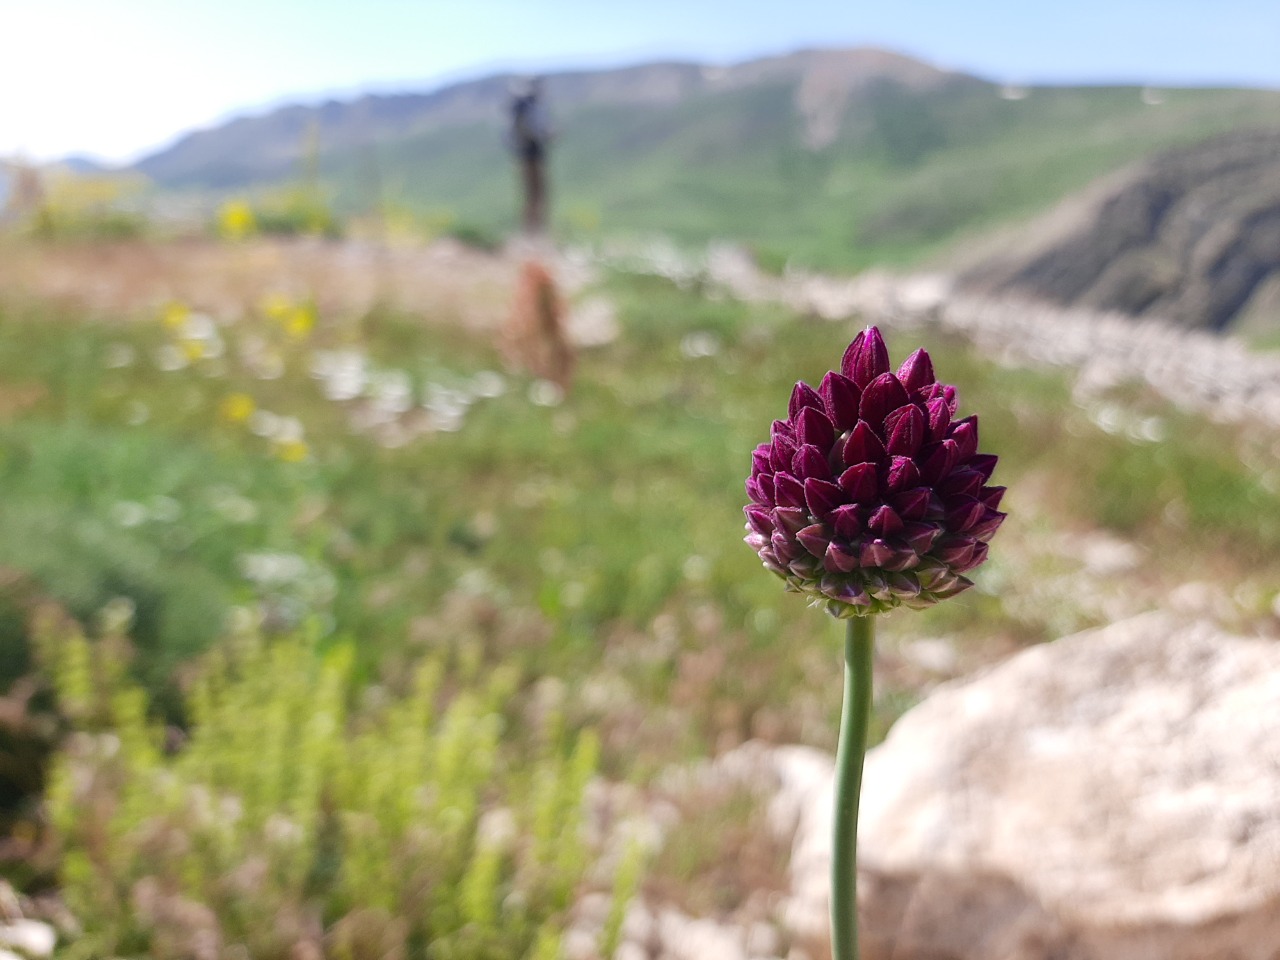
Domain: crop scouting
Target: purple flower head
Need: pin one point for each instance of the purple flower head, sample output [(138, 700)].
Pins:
[(869, 496)]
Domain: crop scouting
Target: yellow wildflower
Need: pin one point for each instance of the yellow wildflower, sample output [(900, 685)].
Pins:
[(276, 306), (236, 220), (237, 408), (300, 321), (292, 451), (174, 315)]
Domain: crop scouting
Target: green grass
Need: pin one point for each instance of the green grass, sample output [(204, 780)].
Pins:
[(910, 175), (592, 547)]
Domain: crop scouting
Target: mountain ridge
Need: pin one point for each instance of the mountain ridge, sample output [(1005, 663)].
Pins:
[(278, 135), (830, 159)]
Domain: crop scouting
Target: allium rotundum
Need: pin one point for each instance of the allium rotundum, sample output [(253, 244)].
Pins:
[(869, 496)]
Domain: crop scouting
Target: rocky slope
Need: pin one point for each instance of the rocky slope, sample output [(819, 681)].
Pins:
[(1193, 237)]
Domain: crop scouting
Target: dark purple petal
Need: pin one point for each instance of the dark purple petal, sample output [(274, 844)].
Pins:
[(785, 548), (844, 591), (790, 519), (877, 584), (943, 582), (782, 428), (961, 483), (937, 511), (903, 557), (979, 555), (822, 497), (863, 446), (802, 396), (876, 553), (903, 474), (986, 528), (903, 585), (984, 463), (759, 520), (760, 459), (849, 520), (753, 491), (957, 586), (771, 564), (841, 397), (812, 426), (939, 417), (884, 521), (860, 482), (866, 358), (920, 536), (916, 371), (964, 513), (937, 461), (789, 490), (965, 434), (765, 483), (805, 567), (991, 496), (810, 462), (955, 551), (911, 504), (931, 572), (880, 396), (941, 391), (783, 452), (904, 430), (840, 558), (815, 539)]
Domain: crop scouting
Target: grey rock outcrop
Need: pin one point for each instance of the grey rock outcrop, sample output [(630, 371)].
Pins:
[(1112, 795), (1192, 236)]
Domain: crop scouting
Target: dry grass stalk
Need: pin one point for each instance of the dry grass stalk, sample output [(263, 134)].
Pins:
[(534, 338)]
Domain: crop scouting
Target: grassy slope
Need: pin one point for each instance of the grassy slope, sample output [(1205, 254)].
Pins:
[(595, 546), (593, 518), (909, 175)]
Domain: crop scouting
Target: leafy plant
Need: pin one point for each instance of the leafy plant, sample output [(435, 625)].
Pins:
[(288, 819)]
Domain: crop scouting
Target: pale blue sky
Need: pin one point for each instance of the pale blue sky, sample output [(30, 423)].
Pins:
[(116, 78)]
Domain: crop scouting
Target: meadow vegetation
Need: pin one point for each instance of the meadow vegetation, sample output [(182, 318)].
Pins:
[(336, 618)]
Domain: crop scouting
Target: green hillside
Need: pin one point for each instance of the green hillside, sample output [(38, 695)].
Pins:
[(917, 158), (909, 174)]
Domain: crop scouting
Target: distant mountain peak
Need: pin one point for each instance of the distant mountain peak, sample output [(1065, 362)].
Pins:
[(270, 145)]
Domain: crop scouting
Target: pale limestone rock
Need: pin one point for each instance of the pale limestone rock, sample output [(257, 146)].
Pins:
[(762, 940), (686, 938), (1115, 794), (29, 937), (637, 923), (579, 944)]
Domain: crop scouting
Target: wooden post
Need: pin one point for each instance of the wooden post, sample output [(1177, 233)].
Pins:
[(529, 139)]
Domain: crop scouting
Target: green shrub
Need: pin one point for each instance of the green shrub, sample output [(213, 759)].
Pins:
[(290, 820)]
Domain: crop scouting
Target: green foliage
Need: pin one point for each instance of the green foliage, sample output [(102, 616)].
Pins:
[(409, 794), (86, 207), (297, 211), (626, 884), (289, 820), (476, 236), (908, 174)]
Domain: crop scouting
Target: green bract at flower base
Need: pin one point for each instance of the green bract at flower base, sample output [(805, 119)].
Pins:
[(869, 496)]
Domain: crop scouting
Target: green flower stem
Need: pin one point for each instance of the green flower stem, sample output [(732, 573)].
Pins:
[(858, 646)]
